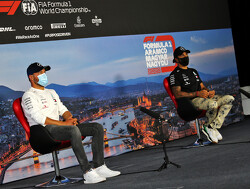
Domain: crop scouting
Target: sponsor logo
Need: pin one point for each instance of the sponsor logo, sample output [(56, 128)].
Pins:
[(58, 25), (79, 23), (7, 29), (9, 6), (158, 52), (96, 21), (60, 7), (35, 27), (29, 7), (172, 80), (185, 79), (66, 34), (27, 36)]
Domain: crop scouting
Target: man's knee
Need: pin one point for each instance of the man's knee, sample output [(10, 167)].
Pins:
[(98, 126), (227, 99), (212, 105), (75, 132)]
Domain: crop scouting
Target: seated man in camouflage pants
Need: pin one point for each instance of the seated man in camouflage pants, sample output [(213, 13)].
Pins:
[(186, 82)]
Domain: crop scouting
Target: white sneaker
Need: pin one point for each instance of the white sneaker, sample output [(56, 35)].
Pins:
[(91, 177), (104, 171), (210, 133), (217, 134)]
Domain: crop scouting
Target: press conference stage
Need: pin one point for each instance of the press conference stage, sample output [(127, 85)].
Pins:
[(224, 165)]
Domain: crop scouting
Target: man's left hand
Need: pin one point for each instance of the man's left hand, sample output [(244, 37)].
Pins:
[(211, 94), (73, 120)]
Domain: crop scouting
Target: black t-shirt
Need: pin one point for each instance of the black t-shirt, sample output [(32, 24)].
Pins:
[(188, 79)]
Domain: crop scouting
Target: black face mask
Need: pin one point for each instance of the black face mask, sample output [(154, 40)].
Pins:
[(184, 61)]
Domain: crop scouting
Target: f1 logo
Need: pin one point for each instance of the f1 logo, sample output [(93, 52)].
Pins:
[(156, 53), (9, 6)]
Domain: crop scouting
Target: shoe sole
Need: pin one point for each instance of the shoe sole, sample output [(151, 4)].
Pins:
[(208, 137), (112, 176), (94, 182)]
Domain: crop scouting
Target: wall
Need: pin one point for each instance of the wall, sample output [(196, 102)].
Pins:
[(100, 57)]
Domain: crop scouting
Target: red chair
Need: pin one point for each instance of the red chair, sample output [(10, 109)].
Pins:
[(41, 141), (187, 112)]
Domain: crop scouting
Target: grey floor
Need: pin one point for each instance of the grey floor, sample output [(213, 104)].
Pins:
[(225, 165)]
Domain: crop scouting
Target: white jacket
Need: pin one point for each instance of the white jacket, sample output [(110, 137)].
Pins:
[(40, 104)]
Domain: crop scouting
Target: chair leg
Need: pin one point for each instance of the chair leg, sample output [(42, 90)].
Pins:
[(199, 142), (58, 179), (198, 128), (56, 163)]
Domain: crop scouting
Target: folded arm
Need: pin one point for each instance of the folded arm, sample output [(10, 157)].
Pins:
[(178, 93)]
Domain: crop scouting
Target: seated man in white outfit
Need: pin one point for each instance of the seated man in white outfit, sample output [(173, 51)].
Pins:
[(43, 107)]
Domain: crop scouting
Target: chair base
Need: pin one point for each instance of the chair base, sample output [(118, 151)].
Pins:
[(57, 181), (198, 143)]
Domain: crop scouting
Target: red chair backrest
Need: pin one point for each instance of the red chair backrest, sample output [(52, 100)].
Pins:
[(169, 91), (18, 110)]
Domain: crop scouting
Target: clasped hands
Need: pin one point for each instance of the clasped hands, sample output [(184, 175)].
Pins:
[(71, 121), (206, 94)]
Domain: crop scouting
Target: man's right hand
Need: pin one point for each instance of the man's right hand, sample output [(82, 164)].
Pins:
[(203, 93), (71, 121)]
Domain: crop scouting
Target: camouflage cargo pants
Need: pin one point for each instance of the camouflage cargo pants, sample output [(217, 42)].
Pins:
[(217, 108)]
